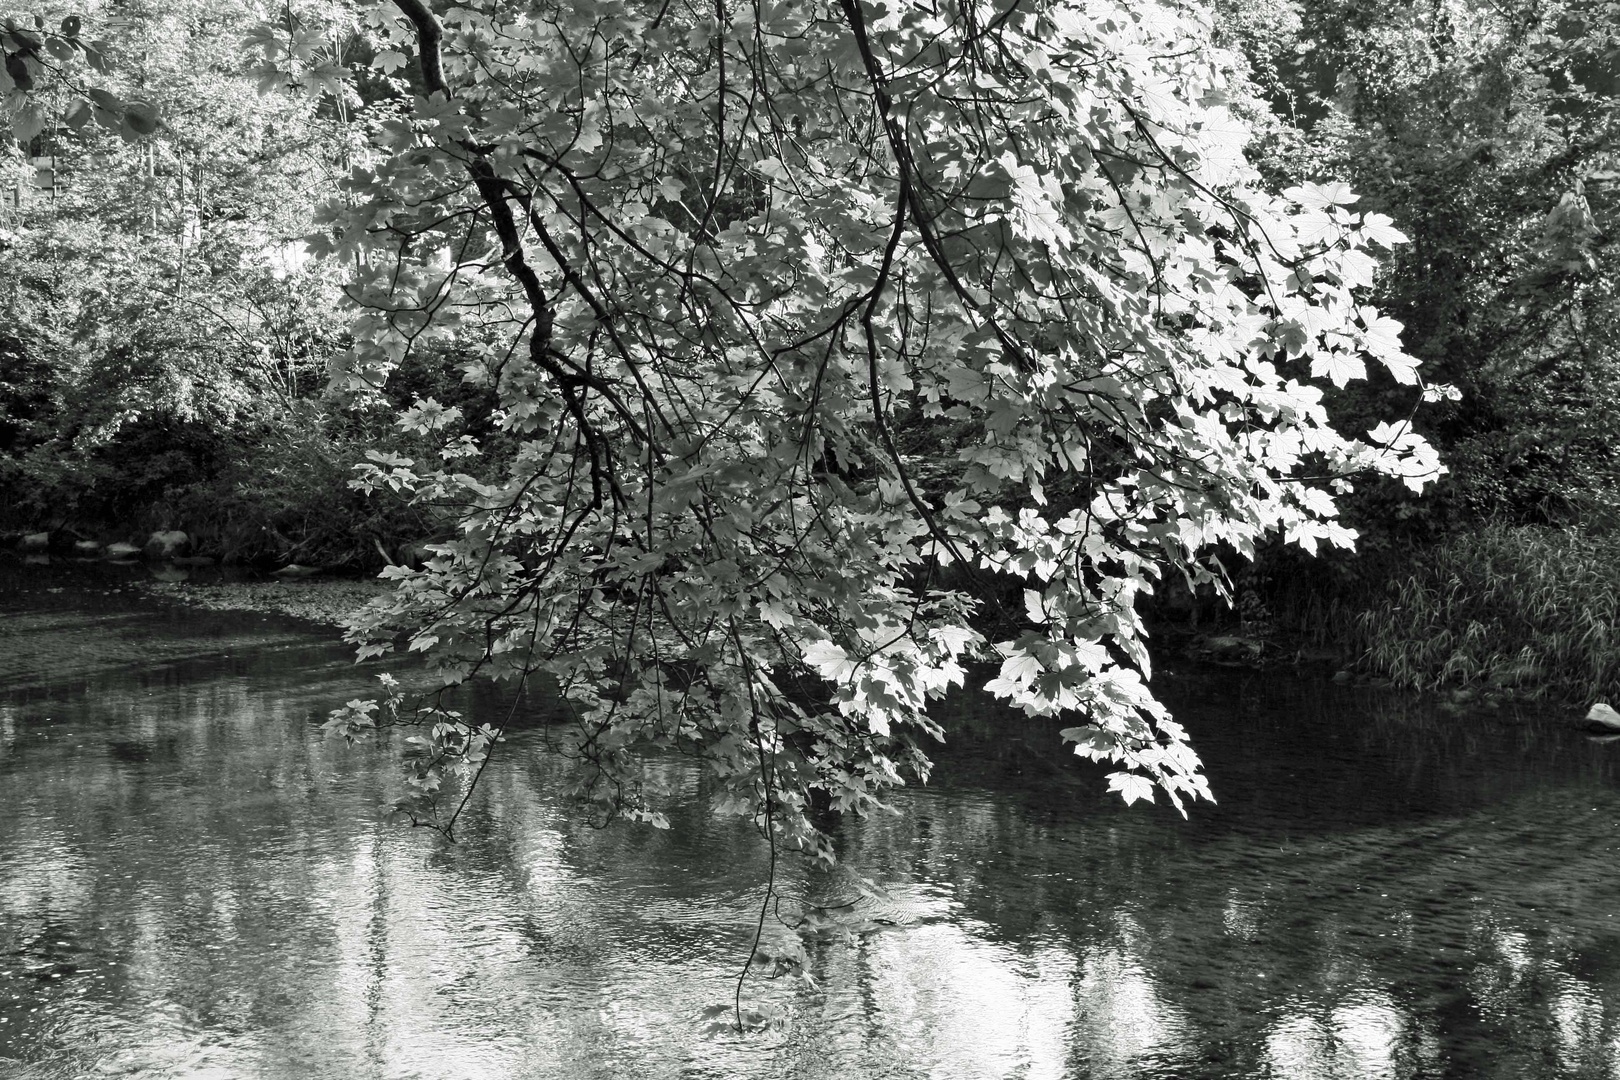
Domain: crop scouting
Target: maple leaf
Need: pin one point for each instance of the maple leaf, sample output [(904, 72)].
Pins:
[(1380, 229), (829, 660), (1322, 196), (1338, 366), (1383, 334), (1131, 786)]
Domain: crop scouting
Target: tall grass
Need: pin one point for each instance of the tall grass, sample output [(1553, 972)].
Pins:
[(1523, 607)]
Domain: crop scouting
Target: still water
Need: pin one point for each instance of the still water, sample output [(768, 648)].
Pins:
[(193, 884)]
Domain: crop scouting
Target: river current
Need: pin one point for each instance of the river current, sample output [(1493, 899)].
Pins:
[(193, 884)]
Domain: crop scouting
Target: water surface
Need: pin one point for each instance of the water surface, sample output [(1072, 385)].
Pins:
[(193, 884)]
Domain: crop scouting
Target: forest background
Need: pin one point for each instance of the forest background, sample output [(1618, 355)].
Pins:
[(165, 340)]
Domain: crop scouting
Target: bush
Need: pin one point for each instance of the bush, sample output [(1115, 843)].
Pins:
[(1508, 607), (282, 494), (267, 490)]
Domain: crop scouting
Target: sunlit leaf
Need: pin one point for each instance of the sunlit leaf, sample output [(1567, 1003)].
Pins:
[(28, 122), (79, 113)]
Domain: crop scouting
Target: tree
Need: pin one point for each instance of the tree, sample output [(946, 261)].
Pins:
[(713, 262), (716, 268), (1491, 134)]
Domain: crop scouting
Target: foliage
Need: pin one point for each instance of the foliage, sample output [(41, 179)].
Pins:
[(43, 47), (280, 492), (167, 338), (1488, 132), (709, 262), (1501, 607)]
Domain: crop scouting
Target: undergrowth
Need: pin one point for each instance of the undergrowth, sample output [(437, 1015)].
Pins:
[(1522, 608)]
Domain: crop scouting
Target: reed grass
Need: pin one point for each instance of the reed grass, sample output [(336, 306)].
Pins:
[(1526, 609)]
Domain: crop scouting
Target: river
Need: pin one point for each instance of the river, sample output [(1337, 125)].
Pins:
[(193, 884)]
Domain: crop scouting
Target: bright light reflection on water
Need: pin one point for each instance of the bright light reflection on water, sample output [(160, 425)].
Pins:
[(193, 885)]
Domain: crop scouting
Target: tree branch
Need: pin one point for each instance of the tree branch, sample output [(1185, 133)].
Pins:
[(428, 35)]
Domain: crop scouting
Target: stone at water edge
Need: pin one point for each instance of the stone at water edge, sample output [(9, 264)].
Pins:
[(86, 547), (122, 550), (167, 544), (1601, 717), (292, 570), (35, 541), (1229, 649)]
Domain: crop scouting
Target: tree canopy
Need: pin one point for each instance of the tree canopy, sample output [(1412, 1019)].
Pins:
[(720, 265)]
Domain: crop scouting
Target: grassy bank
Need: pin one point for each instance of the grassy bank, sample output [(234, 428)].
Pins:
[(1512, 608)]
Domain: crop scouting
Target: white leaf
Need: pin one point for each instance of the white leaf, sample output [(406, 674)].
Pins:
[(829, 660), (1317, 228), (1380, 229), (1383, 333), (1387, 434), (1402, 367), (953, 639), (1131, 786), (1339, 367), (1322, 196), (1020, 669), (1356, 269)]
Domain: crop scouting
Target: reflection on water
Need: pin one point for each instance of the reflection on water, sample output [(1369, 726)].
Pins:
[(192, 884)]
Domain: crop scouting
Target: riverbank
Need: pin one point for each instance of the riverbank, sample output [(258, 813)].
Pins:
[(1495, 615), (1500, 615), (327, 602)]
